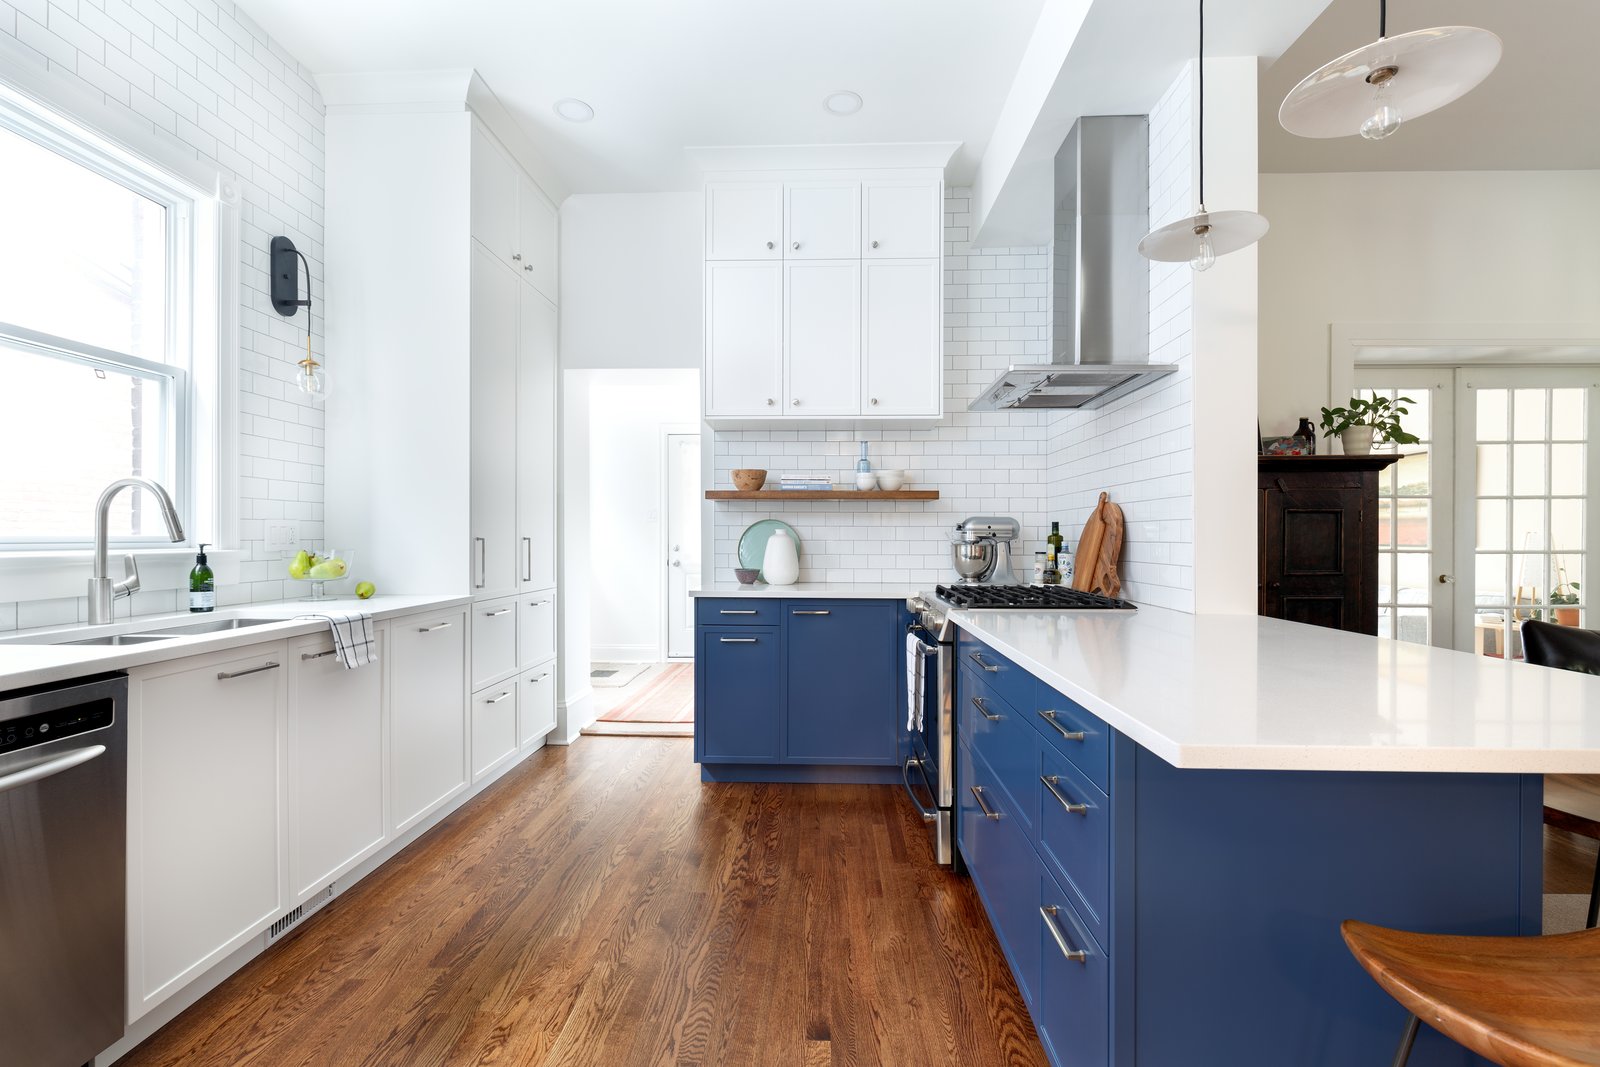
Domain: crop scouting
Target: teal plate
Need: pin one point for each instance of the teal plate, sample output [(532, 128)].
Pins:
[(753, 543)]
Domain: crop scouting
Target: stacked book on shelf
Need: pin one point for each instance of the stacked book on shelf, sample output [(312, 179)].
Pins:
[(819, 482)]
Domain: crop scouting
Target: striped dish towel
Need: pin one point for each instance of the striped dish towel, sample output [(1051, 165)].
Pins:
[(352, 636)]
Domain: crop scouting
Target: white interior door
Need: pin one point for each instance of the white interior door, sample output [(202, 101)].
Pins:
[(683, 540), (1525, 513)]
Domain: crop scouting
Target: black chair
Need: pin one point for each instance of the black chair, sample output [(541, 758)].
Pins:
[(1571, 801)]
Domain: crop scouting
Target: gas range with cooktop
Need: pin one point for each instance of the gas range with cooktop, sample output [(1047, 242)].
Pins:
[(1026, 598)]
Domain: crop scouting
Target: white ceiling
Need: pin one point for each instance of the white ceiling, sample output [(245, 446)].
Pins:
[(1539, 110), (664, 75)]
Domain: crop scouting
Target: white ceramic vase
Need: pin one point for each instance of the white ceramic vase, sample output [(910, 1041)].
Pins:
[(781, 563), (1357, 440)]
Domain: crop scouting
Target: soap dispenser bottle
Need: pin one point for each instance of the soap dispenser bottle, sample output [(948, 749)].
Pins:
[(202, 584)]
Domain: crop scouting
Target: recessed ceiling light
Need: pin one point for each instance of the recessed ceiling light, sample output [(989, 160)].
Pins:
[(842, 102), (574, 110)]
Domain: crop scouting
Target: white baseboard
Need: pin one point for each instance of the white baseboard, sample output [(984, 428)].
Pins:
[(625, 654), (572, 715)]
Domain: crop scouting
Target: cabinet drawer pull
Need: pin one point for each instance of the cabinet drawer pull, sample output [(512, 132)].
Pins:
[(988, 813), (537, 603), (983, 708), (498, 699), (746, 611), (990, 667), (223, 676), (1070, 735), (1076, 955), (496, 614), (527, 559), (738, 640), (435, 626), (811, 613), (540, 677), (482, 564), (318, 655), (1052, 782)]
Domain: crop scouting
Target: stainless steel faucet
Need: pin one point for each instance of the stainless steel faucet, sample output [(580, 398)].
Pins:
[(103, 592)]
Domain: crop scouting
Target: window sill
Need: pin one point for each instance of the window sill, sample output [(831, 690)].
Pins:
[(48, 574)]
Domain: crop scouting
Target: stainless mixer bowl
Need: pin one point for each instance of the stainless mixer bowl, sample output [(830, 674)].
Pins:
[(973, 560)]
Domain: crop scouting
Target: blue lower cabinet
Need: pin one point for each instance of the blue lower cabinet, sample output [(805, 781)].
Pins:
[(997, 732), (844, 681), (1003, 865), (1075, 836), (738, 695), (1072, 1010)]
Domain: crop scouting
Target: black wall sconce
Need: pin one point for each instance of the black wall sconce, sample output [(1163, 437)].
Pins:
[(311, 379)]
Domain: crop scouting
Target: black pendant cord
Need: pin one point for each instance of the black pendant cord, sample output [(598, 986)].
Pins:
[(307, 300), (1199, 63)]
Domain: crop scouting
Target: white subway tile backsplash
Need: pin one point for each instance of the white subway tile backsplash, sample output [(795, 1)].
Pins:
[(203, 71)]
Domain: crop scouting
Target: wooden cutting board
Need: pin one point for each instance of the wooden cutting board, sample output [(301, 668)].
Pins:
[(1094, 567)]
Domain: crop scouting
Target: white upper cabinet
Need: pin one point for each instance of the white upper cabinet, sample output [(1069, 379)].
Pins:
[(536, 238), (900, 337), (744, 220), (822, 220), (901, 220), (822, 336), (494, 196), (744, 338)]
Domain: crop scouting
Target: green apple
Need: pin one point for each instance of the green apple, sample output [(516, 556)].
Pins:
[(364, 590), (300, 564)]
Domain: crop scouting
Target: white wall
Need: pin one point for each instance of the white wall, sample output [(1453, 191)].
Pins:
[(631, 280), (629, 411), (1415, 247), (203, 79)]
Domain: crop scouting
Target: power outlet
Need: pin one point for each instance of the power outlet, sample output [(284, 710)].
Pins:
[(282, 536)]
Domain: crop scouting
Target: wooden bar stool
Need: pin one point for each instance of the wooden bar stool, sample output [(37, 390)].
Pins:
[(1571, 801), (1518, 1001)]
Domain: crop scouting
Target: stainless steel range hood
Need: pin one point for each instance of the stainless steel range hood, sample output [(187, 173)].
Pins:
[(1099, 284)]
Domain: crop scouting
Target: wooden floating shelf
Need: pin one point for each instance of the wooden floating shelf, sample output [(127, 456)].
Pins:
[(823, 494)]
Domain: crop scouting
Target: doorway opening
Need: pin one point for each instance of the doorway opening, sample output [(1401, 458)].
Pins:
[(644, 542)]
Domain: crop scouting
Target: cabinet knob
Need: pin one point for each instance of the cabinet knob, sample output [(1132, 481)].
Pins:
[(874, 244), (1447, 579), (874, 401), (769, 401), (516, 257), (769, 244), (527, 266), (796, 403), (796, 246)]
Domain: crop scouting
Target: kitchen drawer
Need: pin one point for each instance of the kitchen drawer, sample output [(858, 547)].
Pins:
[(536, 628), (999, 733), (1075, 835), (494, 641), (1002, 864), (1076, 733), (1073, 1008), (1004, 677), (749, 611), (536, 704), (494, 727)]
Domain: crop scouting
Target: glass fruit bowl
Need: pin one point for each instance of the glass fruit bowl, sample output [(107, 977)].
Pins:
[(320, 568)]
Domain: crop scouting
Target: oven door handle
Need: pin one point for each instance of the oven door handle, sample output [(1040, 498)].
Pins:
[(41, 771), (928, 814)]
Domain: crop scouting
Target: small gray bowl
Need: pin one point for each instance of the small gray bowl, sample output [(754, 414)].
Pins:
[(747, 575)]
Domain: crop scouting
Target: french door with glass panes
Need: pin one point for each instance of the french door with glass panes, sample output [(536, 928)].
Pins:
[(1488, 521)]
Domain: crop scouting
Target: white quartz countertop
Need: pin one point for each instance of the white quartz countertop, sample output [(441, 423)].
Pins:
[(817, 590), (1251, 693), (26, 663)]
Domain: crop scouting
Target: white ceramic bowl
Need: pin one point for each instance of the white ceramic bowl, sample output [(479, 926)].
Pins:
[(891, 480), (866, 480)]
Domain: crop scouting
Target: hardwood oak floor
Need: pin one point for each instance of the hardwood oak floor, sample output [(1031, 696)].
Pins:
[(601, 906)]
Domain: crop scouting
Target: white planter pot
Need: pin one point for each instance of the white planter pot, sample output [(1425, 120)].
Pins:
[(1357, 440)]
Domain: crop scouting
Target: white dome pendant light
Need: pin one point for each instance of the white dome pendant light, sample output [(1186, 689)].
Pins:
[(1371, 90), (1205, 235)]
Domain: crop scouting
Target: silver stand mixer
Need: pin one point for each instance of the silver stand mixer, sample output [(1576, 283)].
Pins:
[(980, 550)]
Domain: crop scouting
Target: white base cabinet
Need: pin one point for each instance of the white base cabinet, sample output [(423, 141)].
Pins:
[(206, 813), (536, 705), (336, 763), (428, 728), (494, 727)]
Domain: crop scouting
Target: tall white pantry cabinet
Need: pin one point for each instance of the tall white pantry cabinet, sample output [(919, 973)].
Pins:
[(441, 312)]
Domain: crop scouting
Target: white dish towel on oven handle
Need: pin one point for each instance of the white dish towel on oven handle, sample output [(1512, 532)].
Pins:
[(917, 653)]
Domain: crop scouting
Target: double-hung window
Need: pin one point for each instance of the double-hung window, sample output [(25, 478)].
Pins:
[(97, 256)]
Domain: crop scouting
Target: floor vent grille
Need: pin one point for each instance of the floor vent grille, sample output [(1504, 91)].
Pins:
[(299, 914)]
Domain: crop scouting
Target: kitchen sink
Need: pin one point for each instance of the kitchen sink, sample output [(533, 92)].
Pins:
[(118, 639), (144, 637), (210, 626)]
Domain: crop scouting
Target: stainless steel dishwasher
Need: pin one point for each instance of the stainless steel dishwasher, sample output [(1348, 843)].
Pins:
[(63, 833)]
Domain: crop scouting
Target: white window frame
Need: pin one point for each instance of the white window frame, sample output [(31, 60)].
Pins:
[(68, 117)]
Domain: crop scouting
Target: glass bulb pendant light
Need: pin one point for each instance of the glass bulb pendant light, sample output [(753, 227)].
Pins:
[(312, 378), (1369, 91), (1199, 239)]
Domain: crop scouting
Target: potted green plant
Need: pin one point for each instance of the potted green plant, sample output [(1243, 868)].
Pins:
[(1566, 594), (1366, 420)]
